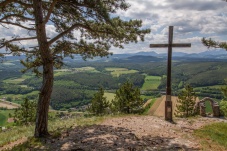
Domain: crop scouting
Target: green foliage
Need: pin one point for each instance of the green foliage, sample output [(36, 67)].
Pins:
[(214, 44), (224, 92), (185, 103), (25, 115), (127, 99), (223, 107), (223, 103), (99, 103)]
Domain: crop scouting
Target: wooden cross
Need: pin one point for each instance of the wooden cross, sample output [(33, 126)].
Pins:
[(168, 102)]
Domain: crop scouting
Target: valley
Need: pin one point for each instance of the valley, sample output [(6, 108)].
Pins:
[(77, 81)]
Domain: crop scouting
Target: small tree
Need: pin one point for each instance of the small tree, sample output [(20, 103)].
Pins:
[(185, 102), (223, 103), (127, 99), (25, 115), (99, 103)]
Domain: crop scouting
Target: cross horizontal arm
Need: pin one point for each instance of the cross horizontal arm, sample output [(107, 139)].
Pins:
[(167, 45)]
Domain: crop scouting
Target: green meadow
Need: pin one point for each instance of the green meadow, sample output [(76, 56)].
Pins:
[(151, 83)]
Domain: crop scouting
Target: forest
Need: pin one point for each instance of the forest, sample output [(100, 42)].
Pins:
[(76, 82)]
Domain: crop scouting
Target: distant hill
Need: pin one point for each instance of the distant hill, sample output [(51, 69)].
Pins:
[(139, 59), (147, 57)]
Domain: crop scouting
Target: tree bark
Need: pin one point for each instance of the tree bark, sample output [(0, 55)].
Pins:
[(41, 127)]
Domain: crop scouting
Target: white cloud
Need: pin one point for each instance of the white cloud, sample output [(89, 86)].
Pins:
[(192, 20)]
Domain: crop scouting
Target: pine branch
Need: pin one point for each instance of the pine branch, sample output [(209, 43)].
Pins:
[(4, 3), (16, 16), (63, 33), (214, 44), (19, 25), (50, 11), (3, 44)]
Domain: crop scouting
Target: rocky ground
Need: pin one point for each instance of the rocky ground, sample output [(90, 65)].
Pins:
[(132, 133)]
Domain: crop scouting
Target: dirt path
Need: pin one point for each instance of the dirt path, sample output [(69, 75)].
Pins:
[(158, 109), (131, 133)]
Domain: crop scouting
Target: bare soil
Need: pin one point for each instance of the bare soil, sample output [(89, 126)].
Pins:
[(8, 106)]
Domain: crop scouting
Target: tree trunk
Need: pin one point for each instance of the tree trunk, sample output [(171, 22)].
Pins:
[(41, 127)]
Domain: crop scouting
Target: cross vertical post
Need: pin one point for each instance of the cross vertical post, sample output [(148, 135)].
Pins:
[(168, 102)]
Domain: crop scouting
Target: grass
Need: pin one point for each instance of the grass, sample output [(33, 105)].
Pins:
[(54, 127), (208, 107), (14, 80), (146, 97), (109, 96), (116, 72), (61, 72), (151, 83), (149, 105), (213, 136), (4, 115)]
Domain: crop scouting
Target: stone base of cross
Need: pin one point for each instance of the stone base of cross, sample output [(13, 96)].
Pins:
[(168, 102)]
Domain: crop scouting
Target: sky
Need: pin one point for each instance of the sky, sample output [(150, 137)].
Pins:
[(192, 20)]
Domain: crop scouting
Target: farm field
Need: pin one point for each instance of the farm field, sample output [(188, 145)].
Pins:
[(60, 72), (109, 96), (151, 83), (118, 71)]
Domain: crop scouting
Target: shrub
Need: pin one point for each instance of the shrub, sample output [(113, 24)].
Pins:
[(25, 115)]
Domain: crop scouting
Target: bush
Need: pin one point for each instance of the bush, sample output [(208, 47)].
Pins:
[(25, 115), (223, 103), (223, 107)]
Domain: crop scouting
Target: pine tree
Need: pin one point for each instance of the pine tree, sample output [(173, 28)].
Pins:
[(185, 103), (127, 99), (85, 27), (25, 115), (99, 103)]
